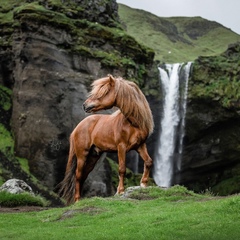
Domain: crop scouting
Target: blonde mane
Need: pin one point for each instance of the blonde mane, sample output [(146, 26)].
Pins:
[(100, 88), (133, 104), (129, 98)]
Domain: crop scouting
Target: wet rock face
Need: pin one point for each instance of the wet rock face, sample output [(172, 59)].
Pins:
[(211, 146), (50, 87), (212, 135)]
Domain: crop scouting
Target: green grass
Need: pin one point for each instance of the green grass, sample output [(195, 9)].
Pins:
[(24, 164), (5, 98), (23, 199), (6, 141), (188, 217)]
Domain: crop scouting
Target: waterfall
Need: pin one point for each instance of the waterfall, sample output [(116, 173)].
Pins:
[(174, 81)]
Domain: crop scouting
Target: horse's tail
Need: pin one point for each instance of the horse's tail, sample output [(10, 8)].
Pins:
[(67, 186)]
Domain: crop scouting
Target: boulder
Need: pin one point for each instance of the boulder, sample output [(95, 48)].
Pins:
[(16, 186)]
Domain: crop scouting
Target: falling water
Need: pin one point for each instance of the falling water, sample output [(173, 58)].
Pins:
[(174, 81), (183, 109)]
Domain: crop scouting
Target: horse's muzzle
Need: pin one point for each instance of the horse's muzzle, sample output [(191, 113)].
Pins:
[(87, 108)]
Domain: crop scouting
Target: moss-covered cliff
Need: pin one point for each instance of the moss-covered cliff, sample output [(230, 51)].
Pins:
[(91, 29), (212, 142), (218, 78)]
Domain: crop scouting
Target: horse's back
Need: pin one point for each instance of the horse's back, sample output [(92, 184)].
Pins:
[(88, 121)]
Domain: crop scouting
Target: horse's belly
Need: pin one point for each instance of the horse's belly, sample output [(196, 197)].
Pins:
[(105, 142), (109, 140)]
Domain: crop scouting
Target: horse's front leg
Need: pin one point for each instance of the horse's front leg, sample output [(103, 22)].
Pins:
[(142, 150), (121, 167)]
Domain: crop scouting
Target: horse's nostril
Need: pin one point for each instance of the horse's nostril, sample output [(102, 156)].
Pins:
[(87, 108)]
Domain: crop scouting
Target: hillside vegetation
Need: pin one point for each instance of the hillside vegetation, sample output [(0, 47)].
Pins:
[(176, 39)]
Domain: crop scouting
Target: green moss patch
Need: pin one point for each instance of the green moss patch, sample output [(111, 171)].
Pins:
[(5, 98), (6, 141), (174, 193)]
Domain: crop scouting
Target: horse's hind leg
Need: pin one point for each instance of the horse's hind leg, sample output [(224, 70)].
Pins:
[(142, 150), (79, 172), (81, 161)]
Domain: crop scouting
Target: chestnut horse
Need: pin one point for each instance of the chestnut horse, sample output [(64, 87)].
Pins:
[(124, 130)]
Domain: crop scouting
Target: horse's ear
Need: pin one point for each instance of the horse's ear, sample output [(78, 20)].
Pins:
[(112, 79)]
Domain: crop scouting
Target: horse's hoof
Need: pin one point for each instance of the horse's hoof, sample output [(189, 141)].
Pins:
[(119, 193), (143, 185)]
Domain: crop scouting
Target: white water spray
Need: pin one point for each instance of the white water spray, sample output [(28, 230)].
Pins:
[(173, 120), (183, 104)]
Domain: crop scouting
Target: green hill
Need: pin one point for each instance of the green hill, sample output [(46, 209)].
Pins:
[(176, 39)]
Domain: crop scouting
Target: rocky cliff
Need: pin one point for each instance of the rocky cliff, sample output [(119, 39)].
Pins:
[(212, 143), (49, 55)]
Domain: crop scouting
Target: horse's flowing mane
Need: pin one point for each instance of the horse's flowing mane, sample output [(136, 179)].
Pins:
[(129, 98), (133, 103), (100, 88)]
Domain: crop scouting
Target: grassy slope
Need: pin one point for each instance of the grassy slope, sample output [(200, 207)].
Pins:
[(177, 215), (166, 35)]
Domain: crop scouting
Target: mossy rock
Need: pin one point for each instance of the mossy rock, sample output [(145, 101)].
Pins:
[(217, 78), (230, 182)]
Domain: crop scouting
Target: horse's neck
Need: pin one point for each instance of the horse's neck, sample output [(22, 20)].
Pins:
[(126, 116)]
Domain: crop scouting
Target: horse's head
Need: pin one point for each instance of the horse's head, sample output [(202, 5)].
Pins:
[(102, 95)]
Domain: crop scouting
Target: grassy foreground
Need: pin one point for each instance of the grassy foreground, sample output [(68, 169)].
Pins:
[(150, 213)]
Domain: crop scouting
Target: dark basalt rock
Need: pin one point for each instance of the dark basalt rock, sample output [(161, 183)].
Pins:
[(211, 153)]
